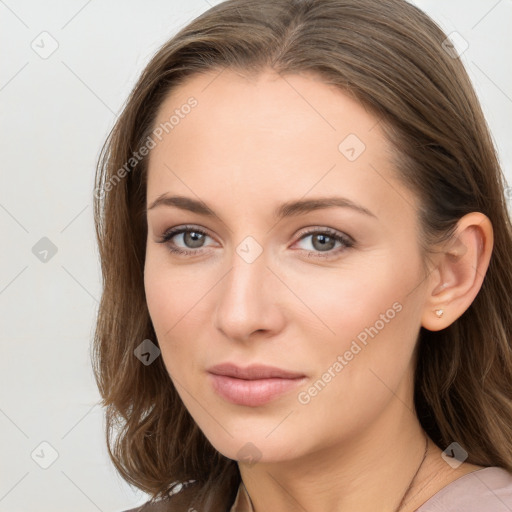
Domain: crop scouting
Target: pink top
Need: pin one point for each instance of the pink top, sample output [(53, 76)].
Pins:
[(483, 490)]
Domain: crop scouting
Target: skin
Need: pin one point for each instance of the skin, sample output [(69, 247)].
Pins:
[(251, 144)]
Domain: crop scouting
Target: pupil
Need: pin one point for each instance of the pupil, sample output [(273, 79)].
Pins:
[(194, 238), (323, 244)]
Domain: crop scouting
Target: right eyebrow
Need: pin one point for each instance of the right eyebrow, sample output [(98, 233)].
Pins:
[(182, 202)]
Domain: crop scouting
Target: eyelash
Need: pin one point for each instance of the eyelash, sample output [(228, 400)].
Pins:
[(337, 236)]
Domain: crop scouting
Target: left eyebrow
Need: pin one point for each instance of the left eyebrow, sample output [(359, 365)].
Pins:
[(288, 209), (302, 206)]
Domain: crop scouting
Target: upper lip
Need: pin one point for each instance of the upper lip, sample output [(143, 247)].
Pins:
[(253, 372)]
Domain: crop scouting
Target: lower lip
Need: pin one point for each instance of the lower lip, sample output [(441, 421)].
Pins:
[(252, 393)]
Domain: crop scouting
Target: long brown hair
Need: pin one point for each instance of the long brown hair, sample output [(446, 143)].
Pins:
[(390, 56)]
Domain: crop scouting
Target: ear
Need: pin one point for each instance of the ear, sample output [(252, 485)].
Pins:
[(459, 272)]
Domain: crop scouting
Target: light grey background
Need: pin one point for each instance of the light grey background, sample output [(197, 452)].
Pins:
[(55, 114)]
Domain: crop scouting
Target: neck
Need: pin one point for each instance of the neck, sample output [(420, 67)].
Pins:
[(369, 471)]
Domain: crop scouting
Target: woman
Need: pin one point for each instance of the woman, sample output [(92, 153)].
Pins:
[(306, 257)]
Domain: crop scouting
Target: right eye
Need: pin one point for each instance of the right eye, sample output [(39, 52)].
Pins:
[(191, 237)]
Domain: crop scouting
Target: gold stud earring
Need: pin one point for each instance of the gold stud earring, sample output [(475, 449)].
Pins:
[(439, 313)]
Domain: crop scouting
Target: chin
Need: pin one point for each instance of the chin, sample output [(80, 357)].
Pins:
[(250, 445)]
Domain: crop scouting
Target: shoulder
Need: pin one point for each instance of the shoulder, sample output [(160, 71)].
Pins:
[(194, 495), (488, 489), (152, 506), (179, 501), (164, 505)]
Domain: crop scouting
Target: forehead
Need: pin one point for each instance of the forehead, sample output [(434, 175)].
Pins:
[(281, 137), (259, 104)]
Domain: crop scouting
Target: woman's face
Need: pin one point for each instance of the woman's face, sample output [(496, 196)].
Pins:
[(309, 263)]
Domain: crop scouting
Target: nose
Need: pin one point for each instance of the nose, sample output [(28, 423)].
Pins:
[(249, 300)]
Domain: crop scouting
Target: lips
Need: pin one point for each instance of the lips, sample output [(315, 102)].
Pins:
[(254, 385), (253, 372)]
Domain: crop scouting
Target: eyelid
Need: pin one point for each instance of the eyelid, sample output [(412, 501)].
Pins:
[(178, 230), (324, 229), (346, 241), (183, 228)]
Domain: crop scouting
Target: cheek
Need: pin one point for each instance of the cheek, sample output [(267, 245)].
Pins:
[(369, 320), (177, 301), (166, 298), (169, 294), (160, 298), (344, 301)]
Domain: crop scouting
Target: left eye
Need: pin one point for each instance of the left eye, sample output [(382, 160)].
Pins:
[(324, 241)]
